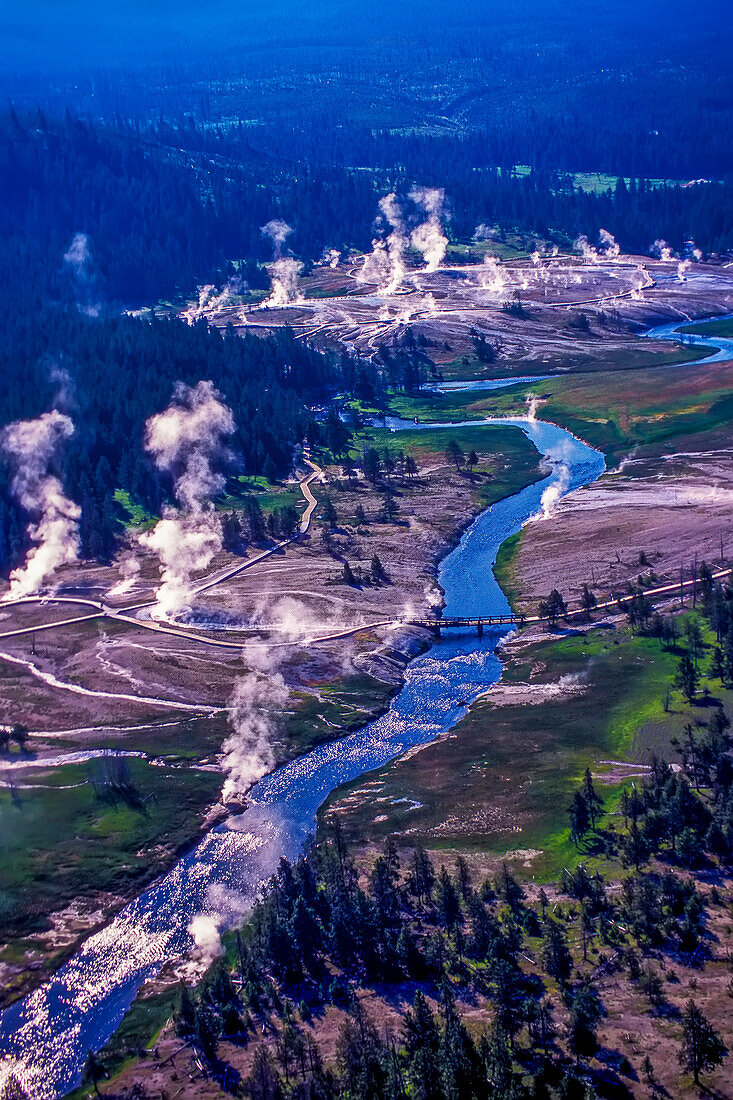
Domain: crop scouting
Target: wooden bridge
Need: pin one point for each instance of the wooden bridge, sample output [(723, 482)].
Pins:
[(478, 623)]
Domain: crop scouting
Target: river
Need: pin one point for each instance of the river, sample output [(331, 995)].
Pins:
[(51, 1030)]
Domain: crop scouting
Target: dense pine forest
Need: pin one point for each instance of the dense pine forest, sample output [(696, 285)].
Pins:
[(111, 374), (168, 206)]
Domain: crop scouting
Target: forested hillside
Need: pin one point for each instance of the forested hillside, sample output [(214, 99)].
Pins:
[(111, 374), (167, 207)]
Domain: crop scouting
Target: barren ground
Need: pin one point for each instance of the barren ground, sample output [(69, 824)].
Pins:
[(620, 299), (672, 510)]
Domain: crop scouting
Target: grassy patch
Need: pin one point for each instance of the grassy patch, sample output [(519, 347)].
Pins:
[(137, 1032), (270, 495), (504, 778), (507, 461), (578, 360), (657, 413), (335, 711), (137, 516), (61, 841), (722, 327), (504, 566), (461, 405)]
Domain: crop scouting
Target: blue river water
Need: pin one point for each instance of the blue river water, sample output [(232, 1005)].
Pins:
[(50, 1031)]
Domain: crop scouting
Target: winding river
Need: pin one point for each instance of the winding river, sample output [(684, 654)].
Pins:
[(51, 1030)]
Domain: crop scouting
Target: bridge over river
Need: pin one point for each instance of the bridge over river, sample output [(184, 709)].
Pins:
[(480, 623)]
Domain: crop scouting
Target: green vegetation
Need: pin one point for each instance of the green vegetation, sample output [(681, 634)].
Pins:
[(269, 495), (138, 1031), (470, 791), (504, 566), (462, 405), (648, 410), (718, 327), (577, 360), (340, 707), (526, 986), (507, 461), (137, 516), (69, 835)]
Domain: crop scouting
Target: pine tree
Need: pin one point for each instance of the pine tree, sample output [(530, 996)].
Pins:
[(94, 1071), (687, 678), (579, 817), (702, 1048), (556, 957), (593, 800), (449, 907)]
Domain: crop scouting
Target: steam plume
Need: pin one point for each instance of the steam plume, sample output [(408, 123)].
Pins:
[(79, 261), (185, 440), (385, 265), (484, 232), (662, 250), (278, 232), (130, 570), (608, 248), (285, 271), (492, 276), (429, 237), (258, 697), (640, 281), (285, 286), (682, 268), (331, 257), (211, 299), (30, 445), (607, 241), (207, 941), (554, 491)]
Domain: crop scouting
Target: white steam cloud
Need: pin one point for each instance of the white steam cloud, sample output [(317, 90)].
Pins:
[(207, 941), (185, 440), (211, 299), (285, 271), (554, 491), (278, 232), (385, 265), (428, 237), (608, 249), (80, 263), (130, 571), (662, 250), (54, 529), (259, 697), (285, 283), (492, 276), (330, 257), (640, 281)]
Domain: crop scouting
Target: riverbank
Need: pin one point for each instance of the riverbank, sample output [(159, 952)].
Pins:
[(495, 789), (227, 868), (332, 689), (497, 786)]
